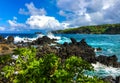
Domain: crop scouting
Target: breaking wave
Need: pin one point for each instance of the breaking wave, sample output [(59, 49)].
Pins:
[(103, 70)]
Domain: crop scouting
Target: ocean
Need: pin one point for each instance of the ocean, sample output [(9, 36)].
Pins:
[(110, 45)]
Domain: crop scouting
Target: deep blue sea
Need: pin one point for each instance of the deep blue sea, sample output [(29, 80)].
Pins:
[(110, 45)]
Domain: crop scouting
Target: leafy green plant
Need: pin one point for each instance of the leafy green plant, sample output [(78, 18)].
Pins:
[(48, 69), (4, 59)]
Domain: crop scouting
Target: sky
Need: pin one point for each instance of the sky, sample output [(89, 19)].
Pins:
[(47, 15)]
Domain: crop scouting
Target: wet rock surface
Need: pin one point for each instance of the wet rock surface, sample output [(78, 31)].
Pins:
[(110, 79), (108, 60), (81, 49), (43, 40), (10, 39)]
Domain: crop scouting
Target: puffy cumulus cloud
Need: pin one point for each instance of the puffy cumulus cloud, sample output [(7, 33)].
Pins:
[(88, 12), (38, 19), (43, 22), (2, 28), (32, 10)]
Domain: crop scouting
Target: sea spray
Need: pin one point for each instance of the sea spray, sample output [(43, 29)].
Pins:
[(28, 39), (64, 39), (52, 36), (103, 70)]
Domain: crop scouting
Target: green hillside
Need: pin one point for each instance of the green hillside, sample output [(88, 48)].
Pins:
[(96, 29)]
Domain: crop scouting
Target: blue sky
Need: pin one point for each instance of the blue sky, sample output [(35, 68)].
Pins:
[(34, 15)]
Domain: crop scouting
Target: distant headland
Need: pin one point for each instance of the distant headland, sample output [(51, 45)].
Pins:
[(95, 29)]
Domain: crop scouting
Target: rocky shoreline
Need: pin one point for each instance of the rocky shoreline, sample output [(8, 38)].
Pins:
[(45, 45)]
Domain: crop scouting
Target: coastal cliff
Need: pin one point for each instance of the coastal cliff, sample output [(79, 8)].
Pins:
[(95, 29)]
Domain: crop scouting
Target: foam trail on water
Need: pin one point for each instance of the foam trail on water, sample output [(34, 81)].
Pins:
[(101, 44), (103, 70)]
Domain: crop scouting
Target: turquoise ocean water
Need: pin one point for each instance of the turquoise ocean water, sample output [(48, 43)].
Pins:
[(110, 44)]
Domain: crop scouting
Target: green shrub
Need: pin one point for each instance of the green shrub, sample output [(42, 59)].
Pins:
[(48, 69)]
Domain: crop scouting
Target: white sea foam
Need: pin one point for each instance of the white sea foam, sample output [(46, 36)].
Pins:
[(18, 39), (109, 51), (39, 35), (51, 36), (64, 39), (95, 50), (26, 39), (102, 70)]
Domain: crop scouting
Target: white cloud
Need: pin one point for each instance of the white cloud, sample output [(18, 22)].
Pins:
[(62, 13), (32, 10), (14, 23), (88, 12), (108, 3), (77, 13), (43, 22), (2, 28), (65, 25), (88, 17), (15, 26), (76, 7), (113, 13), (38, 19), (22, 11)]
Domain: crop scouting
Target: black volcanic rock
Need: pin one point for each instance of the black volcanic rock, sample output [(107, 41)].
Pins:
[(110, 79), (73, 41), (83, 44), (43, 40), (65, 44), (2, 39), (66, 50), (108, 60), (81, 49), (10, 39), (117, 79)]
